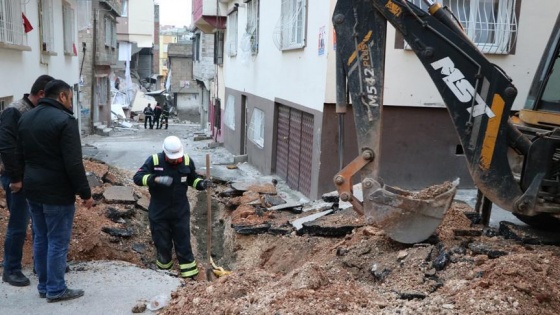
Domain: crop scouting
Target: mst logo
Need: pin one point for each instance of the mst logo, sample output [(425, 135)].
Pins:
[(463, 89)]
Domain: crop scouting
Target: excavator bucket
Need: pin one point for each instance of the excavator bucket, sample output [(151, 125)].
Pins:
[(409, 217)]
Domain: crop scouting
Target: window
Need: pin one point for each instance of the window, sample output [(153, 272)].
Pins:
[(232, 34), (196, 47), (11, 26), (5, 102), (229, 112), (164, 63), (219, 48), (490, 24), (47, 34), (124, 8), (256, 128), (253, 25), (68, 28), (293, 19), (102, 91), (110, 33)]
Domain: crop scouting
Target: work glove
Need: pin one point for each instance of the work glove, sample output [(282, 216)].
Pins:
[(207, 183), (164, 180)]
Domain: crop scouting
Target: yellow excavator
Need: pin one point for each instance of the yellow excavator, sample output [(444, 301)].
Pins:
[(513, 159)]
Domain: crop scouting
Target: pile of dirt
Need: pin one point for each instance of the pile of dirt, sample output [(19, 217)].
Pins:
[(89, 241), (367, 273)]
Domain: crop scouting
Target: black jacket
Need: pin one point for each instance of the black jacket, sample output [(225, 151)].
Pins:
[(49, 145), (168, 202), (8, 137)]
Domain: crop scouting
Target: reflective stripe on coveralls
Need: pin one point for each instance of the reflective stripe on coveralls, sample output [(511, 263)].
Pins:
[(155, 158), (164, 266), (188, 270)]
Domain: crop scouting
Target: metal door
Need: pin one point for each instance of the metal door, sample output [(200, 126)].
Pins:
[(294, 148)]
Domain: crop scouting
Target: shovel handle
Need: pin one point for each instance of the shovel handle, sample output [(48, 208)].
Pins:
[(209, 213)]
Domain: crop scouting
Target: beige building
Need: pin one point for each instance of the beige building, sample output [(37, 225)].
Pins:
[(164, 41)]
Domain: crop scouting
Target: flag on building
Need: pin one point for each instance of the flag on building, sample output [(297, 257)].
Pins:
[(26, 24)]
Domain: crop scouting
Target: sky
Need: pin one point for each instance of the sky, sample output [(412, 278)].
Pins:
[(175, 12)]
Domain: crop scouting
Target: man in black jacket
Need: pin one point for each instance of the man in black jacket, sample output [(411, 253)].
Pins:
[(50, 149), (11, 182), (168, 175), (157, 115)]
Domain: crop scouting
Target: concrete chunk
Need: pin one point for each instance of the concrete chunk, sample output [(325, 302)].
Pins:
[(318, 206), (287, 205), (119, 194), (528, 235), (298, 223)]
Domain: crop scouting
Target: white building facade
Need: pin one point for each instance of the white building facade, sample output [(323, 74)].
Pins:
[(277, 90), (48, 45)]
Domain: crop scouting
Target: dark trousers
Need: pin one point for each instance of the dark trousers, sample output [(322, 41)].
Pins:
[(167, 234), (156, 121), (16, 229), (148, 120)]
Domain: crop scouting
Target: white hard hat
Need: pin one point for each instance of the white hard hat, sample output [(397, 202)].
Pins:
[(172, 147)]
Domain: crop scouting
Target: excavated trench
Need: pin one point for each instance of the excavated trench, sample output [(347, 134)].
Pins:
[(222, 237)]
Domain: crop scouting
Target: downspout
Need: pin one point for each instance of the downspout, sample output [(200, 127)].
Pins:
[(93, 63)]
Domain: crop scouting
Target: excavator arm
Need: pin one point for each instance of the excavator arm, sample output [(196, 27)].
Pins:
[(477, 93)]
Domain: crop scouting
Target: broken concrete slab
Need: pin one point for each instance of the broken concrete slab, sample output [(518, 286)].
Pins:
[(143, 203), (335, 225), (125, 233), (298, 223), (251, 229), (317, 205), (93, 180), (491, 251), (528, 235), (119, 194), (116, 215), (286, 206)]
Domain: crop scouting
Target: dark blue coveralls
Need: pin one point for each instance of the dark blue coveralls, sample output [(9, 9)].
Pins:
[(169, 210)]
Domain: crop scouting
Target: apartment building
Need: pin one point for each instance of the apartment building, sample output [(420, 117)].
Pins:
[(277, 89)]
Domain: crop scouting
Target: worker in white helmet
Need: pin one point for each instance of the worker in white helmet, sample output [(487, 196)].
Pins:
[(168, 175)]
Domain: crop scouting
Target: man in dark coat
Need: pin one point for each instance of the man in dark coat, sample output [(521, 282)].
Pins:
[(49, 147), (148, 114), (168, 175), (12, 183)]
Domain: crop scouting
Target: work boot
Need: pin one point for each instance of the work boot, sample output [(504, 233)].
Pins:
[(68, 294), (16, 279)]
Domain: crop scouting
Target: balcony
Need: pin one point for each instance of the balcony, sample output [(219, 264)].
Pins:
[(115, 5), (205, 15)]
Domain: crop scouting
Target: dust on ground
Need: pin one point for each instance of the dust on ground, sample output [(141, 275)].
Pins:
[(363, 272)]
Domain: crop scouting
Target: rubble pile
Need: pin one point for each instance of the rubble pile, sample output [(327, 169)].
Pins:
[(290, 257)]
